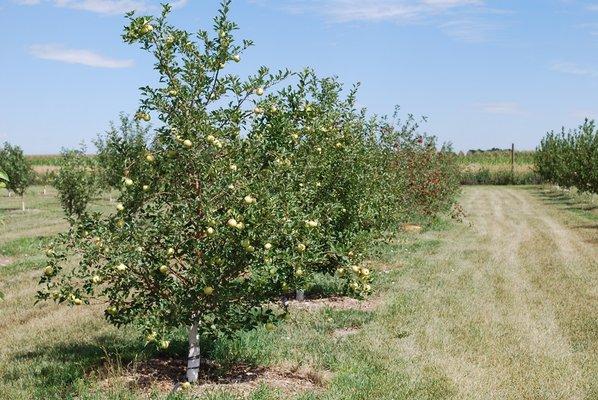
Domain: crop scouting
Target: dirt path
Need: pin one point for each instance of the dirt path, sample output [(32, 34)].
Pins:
[(511, 309)]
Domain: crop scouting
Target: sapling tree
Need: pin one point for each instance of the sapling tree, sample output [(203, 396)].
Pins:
[(77, 181), (18, 169), (174, 253), (241, 193), (120, 147)]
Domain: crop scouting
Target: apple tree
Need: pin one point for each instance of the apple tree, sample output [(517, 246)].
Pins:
[(174, 253), (77, 181), (18, 169), (120, 147)]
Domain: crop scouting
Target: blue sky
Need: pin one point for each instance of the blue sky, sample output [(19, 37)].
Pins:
[(485, 73)]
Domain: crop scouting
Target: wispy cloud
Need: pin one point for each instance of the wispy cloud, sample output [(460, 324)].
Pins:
[(107, 7), (399, 11), (501, 108), (76, 56), (460, 19), (574, 69)]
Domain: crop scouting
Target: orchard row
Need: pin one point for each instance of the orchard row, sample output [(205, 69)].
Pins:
[(570, 158), (243, 191)]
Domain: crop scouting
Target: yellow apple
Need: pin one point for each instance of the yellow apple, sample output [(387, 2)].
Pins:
[(96, 279), (150, 157), (170, 251), (77, 302), (301, 247), (49, 271), (164, 269), (232, 223), (270, 327), (121, 267), (187, 143), (233, 167), (120, 207), (112, 310), (164, 344), (236, 58), (186, 385), (259, 91), (150, 337), (268, 246), (146, 188), (208, 290), (128, 182), (210, 138), (210, 231)]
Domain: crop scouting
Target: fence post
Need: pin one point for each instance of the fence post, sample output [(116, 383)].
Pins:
[(512, 163)]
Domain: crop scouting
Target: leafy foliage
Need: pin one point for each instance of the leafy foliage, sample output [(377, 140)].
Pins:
[(570, 159), (77, 181), (16, 167), (242, 193), (119, 149)]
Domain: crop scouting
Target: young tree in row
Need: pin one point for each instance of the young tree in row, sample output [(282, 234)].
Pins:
[(241, 194), (18, 169), (119, 149), (77, 181)]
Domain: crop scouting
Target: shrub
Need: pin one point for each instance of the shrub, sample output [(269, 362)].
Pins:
[(77, 181), (17, 168)]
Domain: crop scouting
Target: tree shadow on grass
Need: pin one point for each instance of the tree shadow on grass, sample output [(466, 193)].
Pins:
[(56, 371), (561, 199), (52, 371)]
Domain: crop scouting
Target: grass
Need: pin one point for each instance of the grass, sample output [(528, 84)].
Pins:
[(500, 306), (494, 168)]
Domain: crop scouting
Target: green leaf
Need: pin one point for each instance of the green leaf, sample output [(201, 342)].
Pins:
[(3, 176)]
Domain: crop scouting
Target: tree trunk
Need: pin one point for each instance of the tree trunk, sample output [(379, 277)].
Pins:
[(23, 203), (45, 192), (299, 295), (194, 360)]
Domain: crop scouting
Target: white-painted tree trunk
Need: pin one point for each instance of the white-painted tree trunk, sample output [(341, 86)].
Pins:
[(299, 295), (9, 193), (194, 359), (22, 203), (45, 191)]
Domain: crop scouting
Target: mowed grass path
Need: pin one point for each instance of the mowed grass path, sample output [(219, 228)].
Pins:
[(502, 306)]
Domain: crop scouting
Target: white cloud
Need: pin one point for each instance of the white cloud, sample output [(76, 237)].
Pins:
[(574, 69), (460, 19), (76, 56), (377, 10), (107, 7), (502, 108)]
